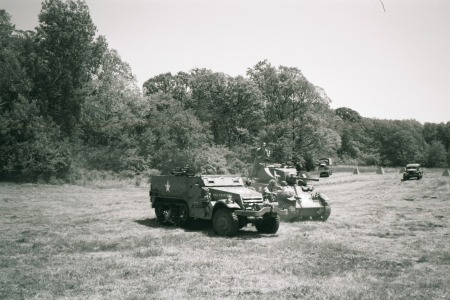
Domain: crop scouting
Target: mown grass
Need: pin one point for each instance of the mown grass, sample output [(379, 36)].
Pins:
[(385, 239)]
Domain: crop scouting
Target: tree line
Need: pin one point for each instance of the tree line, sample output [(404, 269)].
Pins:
[(69, 103)]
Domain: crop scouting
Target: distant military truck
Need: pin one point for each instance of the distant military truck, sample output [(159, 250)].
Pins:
[(411, 171), (183, 197), (325, 167)]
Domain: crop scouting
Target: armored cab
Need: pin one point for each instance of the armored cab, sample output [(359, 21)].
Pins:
[(183, 196), (325, 167)]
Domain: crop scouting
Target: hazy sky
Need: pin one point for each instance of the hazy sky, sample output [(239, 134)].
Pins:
[(392, 64)]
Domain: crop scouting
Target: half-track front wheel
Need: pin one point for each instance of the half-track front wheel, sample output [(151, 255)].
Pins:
[(268, 224), (225, 222)]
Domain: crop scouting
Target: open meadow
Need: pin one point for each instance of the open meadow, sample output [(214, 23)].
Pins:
[(385, 239)]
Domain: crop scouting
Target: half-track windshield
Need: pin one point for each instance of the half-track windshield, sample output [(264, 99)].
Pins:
[(218, 180)]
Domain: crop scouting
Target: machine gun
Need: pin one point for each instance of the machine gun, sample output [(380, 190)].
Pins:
[(187, 170)]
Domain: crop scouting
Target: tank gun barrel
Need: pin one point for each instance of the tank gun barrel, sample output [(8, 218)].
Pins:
[(308, 179), (293, 179)]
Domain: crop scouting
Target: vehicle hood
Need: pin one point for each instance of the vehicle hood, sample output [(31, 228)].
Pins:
[(223, 192)]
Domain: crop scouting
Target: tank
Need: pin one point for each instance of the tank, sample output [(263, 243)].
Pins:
[(301, 200), (183, 197), (293, 192)]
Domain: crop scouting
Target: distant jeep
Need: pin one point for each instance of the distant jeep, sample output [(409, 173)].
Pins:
[(412, 170)]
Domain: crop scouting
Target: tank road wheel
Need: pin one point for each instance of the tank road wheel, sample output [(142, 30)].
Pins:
[(268, 224), (161, 211), (225, 222)]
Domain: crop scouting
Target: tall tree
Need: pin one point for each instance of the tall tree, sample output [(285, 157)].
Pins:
[(67, 56), (176, 85), (173, 135), (398, 142), (230, 107), (295, 109), (240, 112), (436, 156), (112, 104), (13, 79), (348, 114)]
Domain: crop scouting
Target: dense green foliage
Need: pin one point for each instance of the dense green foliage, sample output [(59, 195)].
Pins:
[(69, 103)]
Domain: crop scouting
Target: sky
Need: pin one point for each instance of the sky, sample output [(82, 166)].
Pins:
[(385, 59)]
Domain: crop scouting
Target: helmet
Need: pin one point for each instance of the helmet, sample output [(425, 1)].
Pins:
[(272, 182), (283, 183)]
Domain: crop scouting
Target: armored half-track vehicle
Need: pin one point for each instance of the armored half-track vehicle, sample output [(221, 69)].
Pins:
[(325, 167), (411, 171), (184, 196), (293, 192)]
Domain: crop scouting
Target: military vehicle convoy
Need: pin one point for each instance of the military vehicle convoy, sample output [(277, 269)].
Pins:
[(296, 194), (184, 196)]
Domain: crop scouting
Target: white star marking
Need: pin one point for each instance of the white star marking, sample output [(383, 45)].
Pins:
[(167, 186)]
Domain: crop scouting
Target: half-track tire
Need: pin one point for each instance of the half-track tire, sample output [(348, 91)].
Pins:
[(225, 222), (268, 224)]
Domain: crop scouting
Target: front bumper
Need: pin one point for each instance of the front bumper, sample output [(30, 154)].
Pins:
[(261, 212)]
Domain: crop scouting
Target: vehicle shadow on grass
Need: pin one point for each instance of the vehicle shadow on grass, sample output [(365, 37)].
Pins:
[(205, 227)]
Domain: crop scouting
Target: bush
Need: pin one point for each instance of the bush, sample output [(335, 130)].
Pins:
[(32, 148)]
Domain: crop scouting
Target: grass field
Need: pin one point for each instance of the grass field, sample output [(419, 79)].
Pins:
[(385, 239)]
